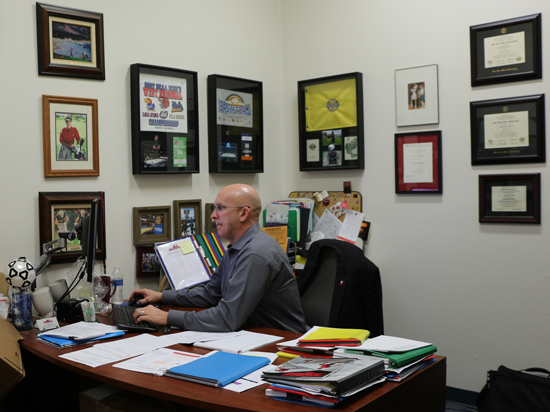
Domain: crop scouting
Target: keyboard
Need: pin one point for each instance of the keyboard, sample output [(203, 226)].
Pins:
[(124, 319)]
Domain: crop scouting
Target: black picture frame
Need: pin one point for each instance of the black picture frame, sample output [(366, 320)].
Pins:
[(318, 100), (527, 113), (527, 63), (235, 125), (165, 120), (496, 204), (89, 27)]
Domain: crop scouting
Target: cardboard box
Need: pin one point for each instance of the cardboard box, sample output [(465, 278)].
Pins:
[(107, 398), (11, 364)]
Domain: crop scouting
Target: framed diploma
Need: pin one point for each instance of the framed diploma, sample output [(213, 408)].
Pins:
[(416, 96), (418, 167), (510, 130), (331, 124), (235, 125), (509, 198), (165, 125), (506, 51)]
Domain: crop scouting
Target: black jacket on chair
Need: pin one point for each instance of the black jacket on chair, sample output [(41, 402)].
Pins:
[(352, 290)]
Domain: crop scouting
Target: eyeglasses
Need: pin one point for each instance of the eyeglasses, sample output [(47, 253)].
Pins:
[(219, 208)]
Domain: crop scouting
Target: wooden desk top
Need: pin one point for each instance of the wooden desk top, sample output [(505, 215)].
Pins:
[(218, 399)]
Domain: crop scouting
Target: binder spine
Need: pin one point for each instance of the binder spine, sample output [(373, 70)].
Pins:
[(361, 378), (194, 379)]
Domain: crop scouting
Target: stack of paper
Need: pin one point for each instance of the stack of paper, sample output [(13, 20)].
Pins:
[(241, 342), (80, 331)]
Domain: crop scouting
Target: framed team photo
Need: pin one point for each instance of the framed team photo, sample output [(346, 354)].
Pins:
[(187, 218), (70, 136), (147, 262), (151, 225)]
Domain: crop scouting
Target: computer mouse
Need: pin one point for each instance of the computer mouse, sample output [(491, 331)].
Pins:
[(134, 300)]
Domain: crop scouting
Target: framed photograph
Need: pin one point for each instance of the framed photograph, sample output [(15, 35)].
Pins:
[(331, 124), (364, 231), (418, 163), (165, 120), (513, 198), (64, 212), (71, 137), (417, 96), (151, 225), (508, 130), (209, 223), (70, 42), (506, 51), (187, 218), (147, 262), (235, 125)]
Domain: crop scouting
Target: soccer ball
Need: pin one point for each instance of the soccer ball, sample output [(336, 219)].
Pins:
[(20, 273)]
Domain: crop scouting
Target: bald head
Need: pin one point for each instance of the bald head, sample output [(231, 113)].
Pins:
[(244, 195)]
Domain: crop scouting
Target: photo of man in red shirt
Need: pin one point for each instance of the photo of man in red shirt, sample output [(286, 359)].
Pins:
[(67, 139)]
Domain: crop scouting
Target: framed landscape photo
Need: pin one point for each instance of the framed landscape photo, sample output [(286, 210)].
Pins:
[(506, 51), (151, 225), (331, 123), (64, 212), (187, 218), (165, 120), (418, 163), (235, 125), (509, 198), (417, 96), (209, 223), (70, 42), (510, 130), (70, 136), (147, 262)]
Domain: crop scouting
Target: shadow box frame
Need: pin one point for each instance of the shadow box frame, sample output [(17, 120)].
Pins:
[(73, 106), (404, 78), (318, 126), (140, 251), (532, 213), (48, 64), (243, 142), (418, 187), (149, 240), (529, 29), (196, 205), (501, 110), (165, 120), (50, 201)]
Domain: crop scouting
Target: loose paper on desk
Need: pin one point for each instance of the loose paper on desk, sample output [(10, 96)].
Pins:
[(249, 381), (158, 361), (329, 225), (81, 331), (385, 343), (189, 337), (244, 342), (351, 226)]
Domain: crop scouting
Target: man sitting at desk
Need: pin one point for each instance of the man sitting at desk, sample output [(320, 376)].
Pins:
[(252, 286)]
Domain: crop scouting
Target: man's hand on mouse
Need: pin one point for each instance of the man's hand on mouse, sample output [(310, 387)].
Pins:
[(148, 296)]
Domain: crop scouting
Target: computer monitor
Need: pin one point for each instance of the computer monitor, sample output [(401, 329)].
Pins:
[(89, 238)]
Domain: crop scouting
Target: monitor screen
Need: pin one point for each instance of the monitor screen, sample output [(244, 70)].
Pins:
[(89, 238)]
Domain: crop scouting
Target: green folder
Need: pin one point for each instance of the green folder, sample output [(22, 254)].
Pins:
[(396, 360)]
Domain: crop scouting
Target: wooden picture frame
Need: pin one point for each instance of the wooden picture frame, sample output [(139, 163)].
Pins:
[(509, 198), (151, 225), (187, 218), (78, 154), (209, 223), (50, 208), (417, 96), (70, 42), (147, 262)]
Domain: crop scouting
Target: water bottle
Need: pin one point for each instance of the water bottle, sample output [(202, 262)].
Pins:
[(116, 277)]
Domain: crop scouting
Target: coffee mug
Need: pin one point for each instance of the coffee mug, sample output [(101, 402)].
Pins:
[(58, 289), (108, 282), (43, 302)]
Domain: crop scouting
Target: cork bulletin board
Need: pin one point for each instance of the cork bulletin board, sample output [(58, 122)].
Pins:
[(353, 200)]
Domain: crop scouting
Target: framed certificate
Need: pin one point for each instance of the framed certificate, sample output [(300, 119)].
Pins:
[(418, 165), (331, 123), (235, 125), (513, 198), (165, 125), (416, 96), (510, 130), (506, 51)]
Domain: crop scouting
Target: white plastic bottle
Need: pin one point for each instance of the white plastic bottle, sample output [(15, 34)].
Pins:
[(116, 277)]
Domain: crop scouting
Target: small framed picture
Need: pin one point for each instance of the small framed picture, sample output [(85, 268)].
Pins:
[(70, 136), (209, 223), (147, 262), (510, 198), (70, 42), (506, 51), (418, 163), (187, 218), (151, 225), (417, 96), (364, 231)]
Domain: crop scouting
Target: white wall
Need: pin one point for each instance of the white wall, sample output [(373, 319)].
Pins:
[(477, 291)]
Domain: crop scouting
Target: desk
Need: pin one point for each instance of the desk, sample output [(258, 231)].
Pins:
[(423, 392)]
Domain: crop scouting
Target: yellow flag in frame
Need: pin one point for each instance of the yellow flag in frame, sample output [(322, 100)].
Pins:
[(331, 105)]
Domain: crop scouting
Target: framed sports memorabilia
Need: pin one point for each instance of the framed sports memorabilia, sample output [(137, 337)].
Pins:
[(331, 124), (418, 163), (187, 218), (65, 212), (165, 126), (147, 262), (235, 125), (151, 225), (510, 198), (506, 51), (417, 96), (510, 130), (70, 42), (70, 136)]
